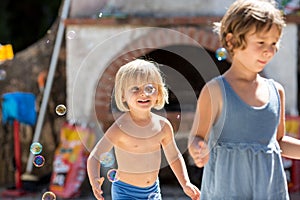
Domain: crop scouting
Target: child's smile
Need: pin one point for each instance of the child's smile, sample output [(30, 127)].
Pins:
[(142, 96)]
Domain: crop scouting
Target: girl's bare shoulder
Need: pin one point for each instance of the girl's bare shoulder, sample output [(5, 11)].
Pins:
[(212, 90), (279, 87)]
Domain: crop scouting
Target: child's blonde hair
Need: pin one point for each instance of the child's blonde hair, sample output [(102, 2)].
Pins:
[(244, 15), (138, 72)]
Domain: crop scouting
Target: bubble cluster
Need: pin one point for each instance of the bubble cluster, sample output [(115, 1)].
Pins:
[(2, 74), (221, 54), (38, 161), (60, 109), (112, 175), (36, 148), (107, 159), (49, 196)]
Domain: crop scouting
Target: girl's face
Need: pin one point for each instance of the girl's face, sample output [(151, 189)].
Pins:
[(141, 97), (260, 49)]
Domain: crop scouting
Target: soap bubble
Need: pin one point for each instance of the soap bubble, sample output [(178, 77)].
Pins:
[(71, 35), (38, 161), (2, 74), (112, 175), (36, 148), (149, 89), (154, 196), (107, 159), (49, 196), (221, 54), (61, 109)]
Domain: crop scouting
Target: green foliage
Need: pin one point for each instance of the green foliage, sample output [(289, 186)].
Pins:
[(24, 22)]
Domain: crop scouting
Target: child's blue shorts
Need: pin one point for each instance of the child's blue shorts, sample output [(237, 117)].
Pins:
[(125, 191)]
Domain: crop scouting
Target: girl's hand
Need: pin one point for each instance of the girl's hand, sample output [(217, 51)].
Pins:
[(192, 191), (201, 154), (96, 186)]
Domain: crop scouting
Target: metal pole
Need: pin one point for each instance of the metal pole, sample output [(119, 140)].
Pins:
[(51, 73)]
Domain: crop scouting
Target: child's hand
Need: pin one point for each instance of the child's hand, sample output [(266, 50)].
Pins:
[(97, 188), (192, 191), (201, 154)]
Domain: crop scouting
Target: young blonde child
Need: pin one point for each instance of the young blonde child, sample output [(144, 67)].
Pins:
[(240, 116), (137, 137)]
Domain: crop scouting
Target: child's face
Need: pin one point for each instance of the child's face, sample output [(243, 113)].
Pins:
[(260, 49), (142, 96)]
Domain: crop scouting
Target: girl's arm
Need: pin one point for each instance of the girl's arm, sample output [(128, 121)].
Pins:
[(208, 107), (290, 146), (177, 163)]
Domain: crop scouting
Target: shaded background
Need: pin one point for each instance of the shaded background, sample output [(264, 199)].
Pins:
[(24, 22)]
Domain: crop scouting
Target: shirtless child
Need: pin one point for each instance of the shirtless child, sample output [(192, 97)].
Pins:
[(137, 137)]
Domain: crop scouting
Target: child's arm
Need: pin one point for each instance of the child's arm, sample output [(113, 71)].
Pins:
[(93, 165), (198, 150), (290, 146), (177, 164), (208, 109)]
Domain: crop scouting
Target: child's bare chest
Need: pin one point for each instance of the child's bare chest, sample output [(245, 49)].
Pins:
[(139, 144)]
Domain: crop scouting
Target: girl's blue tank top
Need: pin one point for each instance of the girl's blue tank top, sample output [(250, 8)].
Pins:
[(245, 161)]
